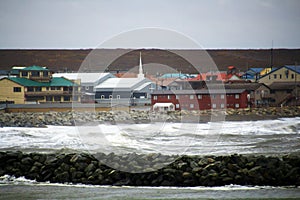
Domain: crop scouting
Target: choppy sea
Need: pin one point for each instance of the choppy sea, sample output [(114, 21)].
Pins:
[(266, 137)]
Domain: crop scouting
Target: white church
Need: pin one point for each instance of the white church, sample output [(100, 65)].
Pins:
[(125, 91)]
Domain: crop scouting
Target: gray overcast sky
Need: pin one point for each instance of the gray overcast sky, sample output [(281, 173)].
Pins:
[(87, 23)]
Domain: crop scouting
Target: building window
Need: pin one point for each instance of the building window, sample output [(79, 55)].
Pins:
[(47, 88), (214, 105), (24, 73), (102, 97), (155, 97), (269, 77), (110, 96), (222, 105), (67, 98), (191, 96), (57, 98), (87, 87), (177, 97), (17, 89), (35, 73), (38, 89), (222, 96), (199, 96), (48, 98), (293, 76), (237, 96), (213, 96), (191, 105), (169, 97), (118, 97), (30, 89), (275, 76), (280, 76), (177, 105), (45, 74), (237, 105)]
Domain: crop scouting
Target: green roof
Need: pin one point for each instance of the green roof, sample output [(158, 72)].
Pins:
[(34, 68), (56, 81)]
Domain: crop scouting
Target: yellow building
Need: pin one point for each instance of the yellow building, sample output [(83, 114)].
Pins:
[(287, 73), (36, 85)]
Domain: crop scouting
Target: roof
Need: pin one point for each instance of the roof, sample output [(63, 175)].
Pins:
[(246, 86), (203, 91), (163, 104), (283, 85), (255, 69), (84, 77), (34, 68), (54, 82), (175, 75), (119, 83), (142, 86)]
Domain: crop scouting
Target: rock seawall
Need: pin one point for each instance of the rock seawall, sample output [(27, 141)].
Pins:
[(28, 119), (185, 171)]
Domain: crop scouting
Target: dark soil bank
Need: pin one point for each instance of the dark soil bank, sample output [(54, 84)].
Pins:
[(102, 169)]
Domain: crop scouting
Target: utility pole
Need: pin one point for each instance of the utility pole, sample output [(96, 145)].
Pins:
[(296, 88), (271, 57)]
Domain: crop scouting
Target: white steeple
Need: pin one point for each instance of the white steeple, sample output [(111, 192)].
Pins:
[(141, 74)]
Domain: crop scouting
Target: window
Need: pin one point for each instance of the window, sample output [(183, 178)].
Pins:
[(214, 105), (293, 76), (237, 96), (177, 97), (222, 105), (102, 97), (177, 105), (237, 105), (67, 98), (35, 73), (118, 96), (30, 89), (24, 73), (38, 89), (45, 74), (213, 96), (222, 96), (110, 96), (75, 98), (57, 98), (191, 96), (155, 97), (169, 97), (17, 89), (47, 88), (191, 105), (87, 87), (280, 76), (269, 77), (275, 76), (199, 96), (48, 98)]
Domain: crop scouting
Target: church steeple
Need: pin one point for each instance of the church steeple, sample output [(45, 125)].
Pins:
[(141, 74)]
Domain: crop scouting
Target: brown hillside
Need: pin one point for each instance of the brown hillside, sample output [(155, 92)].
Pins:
[(121, 59)]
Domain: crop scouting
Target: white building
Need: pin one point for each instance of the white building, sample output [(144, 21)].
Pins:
[(125, 91)]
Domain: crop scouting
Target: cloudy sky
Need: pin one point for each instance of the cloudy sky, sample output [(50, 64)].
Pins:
[(212, 24)]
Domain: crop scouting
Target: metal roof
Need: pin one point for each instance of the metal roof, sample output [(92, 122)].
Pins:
[(54, 82), (113, 83), (34, 68), (84, 77), (203, 91)]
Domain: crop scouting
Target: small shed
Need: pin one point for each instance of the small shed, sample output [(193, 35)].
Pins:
[(163, 107)]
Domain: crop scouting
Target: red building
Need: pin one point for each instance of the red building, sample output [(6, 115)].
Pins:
[(202, 99)]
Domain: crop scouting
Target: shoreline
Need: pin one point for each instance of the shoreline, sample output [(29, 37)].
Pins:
[(38, 119), (153, 169)]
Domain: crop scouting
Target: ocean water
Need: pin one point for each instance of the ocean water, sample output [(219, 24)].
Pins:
[(267, 137)]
